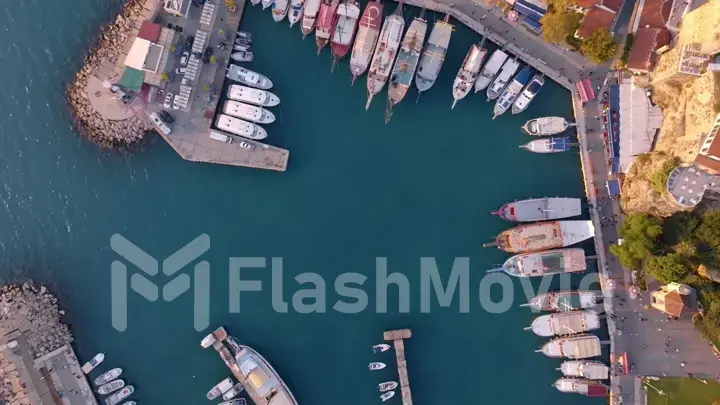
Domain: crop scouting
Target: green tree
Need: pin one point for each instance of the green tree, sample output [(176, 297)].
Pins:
[(659, 178), (679, 227), (172, 48), (667, 269), (599, 46), (164, 76), (640, 233), (213, 59), (709, 230), (206, 87)]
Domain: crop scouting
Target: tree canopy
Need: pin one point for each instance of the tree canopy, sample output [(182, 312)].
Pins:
[(599, 46), (559, 23), (679, 227), (709, 230), (667, 269), (640, 233)]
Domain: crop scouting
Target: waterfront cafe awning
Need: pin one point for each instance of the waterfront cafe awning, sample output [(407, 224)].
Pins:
[(132, 79), (585, 90), (613, 187)]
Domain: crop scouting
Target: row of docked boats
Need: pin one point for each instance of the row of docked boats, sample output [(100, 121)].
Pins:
[(387, 388), (108, 382), (572, 316), (229, 390)]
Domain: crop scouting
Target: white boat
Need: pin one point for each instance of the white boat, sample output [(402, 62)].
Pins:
[(565, 323), (208, 341), (544, 126), (296, 11), (573, 347), (548, 145), (582, 387), (433, 55), (267, 3), (366, 39), (248, 77), (382, 347), (115, 398), (385, 53), (468, 72), (240, 127), (565, 300), (540, 209), (506, 73), (387, 386), (528, 94), (129, 403), (241, 48), (543, 236), (90, 365), (492, 67), (547, 262), (512, 91), (233, 392), (239, 401), (108, 376), (252, 96), (243, 41), (260, 374), (248, 112), (112, 386), (220, 388), (590, 369), (242, 56), (244, 34), (280, 9), (309, 18), (376, 365), (387, 395)]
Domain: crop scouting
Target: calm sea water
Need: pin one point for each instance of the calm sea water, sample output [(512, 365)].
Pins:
[(356, 189)]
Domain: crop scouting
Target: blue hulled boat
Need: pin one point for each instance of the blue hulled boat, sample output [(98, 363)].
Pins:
[(512, 91)]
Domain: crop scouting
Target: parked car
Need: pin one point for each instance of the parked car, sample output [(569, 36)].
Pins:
[(185, 81), (168, 100), (180, 70), (163, 127), (184, 58), (208, 53), (165, 116), (220, 137), (246, 146), (189, 42)]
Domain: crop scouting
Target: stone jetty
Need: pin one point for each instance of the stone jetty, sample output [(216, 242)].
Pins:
[(108, 49), (34, 313)]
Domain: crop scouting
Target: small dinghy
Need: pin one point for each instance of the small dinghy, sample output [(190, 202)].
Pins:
[(108, 376), (242, 56), (243, 41), (90, 365), (220, 388), (233, 392), (110, 387), (387, 386), (376, 366), (245, 35), (387, 395), (382, 347)]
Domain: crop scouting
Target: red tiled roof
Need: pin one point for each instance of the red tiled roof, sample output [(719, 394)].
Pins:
[(150, 31), (655, 13), (714, 151), (613, 5), (586, 3), (642, 56), (594, 19)]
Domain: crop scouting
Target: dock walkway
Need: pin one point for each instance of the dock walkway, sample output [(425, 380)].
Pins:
[(397, 337)]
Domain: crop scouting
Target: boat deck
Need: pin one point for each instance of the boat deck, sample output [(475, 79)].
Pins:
[(397, 337), (534, 237)]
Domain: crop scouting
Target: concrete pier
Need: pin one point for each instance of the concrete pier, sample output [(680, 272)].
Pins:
[(397, 337)]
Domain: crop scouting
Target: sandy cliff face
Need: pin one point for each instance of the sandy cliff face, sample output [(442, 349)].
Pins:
[(638, 194)]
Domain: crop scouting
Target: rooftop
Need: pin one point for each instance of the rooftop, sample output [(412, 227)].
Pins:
[(612, 5), (150, 31), (647, 41), (639, 122), (653, 13), (595, 19)]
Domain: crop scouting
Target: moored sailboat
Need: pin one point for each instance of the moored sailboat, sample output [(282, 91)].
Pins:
[(583, 387), (309, 18), (556, 261), (501, 80), (348, 13), (565, 323), (548, 145), (573, 347), (296, 11), (546, 126), (540, 209), (512, 91), (325, 24), (407, 61), (433, 55), (385, 53), (280, 9), (543, 235), (492, 67), (366, 39), (565, 300), (468, 72), (590, 369), (528, 94)]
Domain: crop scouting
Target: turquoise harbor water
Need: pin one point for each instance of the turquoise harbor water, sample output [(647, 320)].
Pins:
[(356, 189)]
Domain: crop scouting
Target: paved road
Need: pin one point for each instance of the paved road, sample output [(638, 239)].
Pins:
[(73, 386)]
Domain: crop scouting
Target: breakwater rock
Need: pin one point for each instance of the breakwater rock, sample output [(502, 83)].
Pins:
[(107, 50), (35, 313)]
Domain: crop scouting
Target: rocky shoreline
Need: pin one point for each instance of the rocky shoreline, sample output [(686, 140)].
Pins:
[(35, 313), (101, 131)]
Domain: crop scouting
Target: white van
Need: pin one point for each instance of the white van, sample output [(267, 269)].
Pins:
[(220, 137), (160, 124)]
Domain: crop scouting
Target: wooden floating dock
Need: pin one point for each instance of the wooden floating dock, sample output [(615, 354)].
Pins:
[(397, 337)]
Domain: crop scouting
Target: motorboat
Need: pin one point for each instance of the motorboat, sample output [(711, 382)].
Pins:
[(248, 77), (233, 392), (466, 76), (296, 11), (280, 9), (387, 395), (252, 96), (376, 365), (548, 145), (565, 300), (108, 376), (590, 369), (244, 34), (309, 18), (267, 3), (583, 387), (220, 388), (382, 347), (240, 127), (241, 48), (243, 41), (111, 387), (546, 126), (248, 112), (242, 56), (96, 361), (118, 396), (387, 386)]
